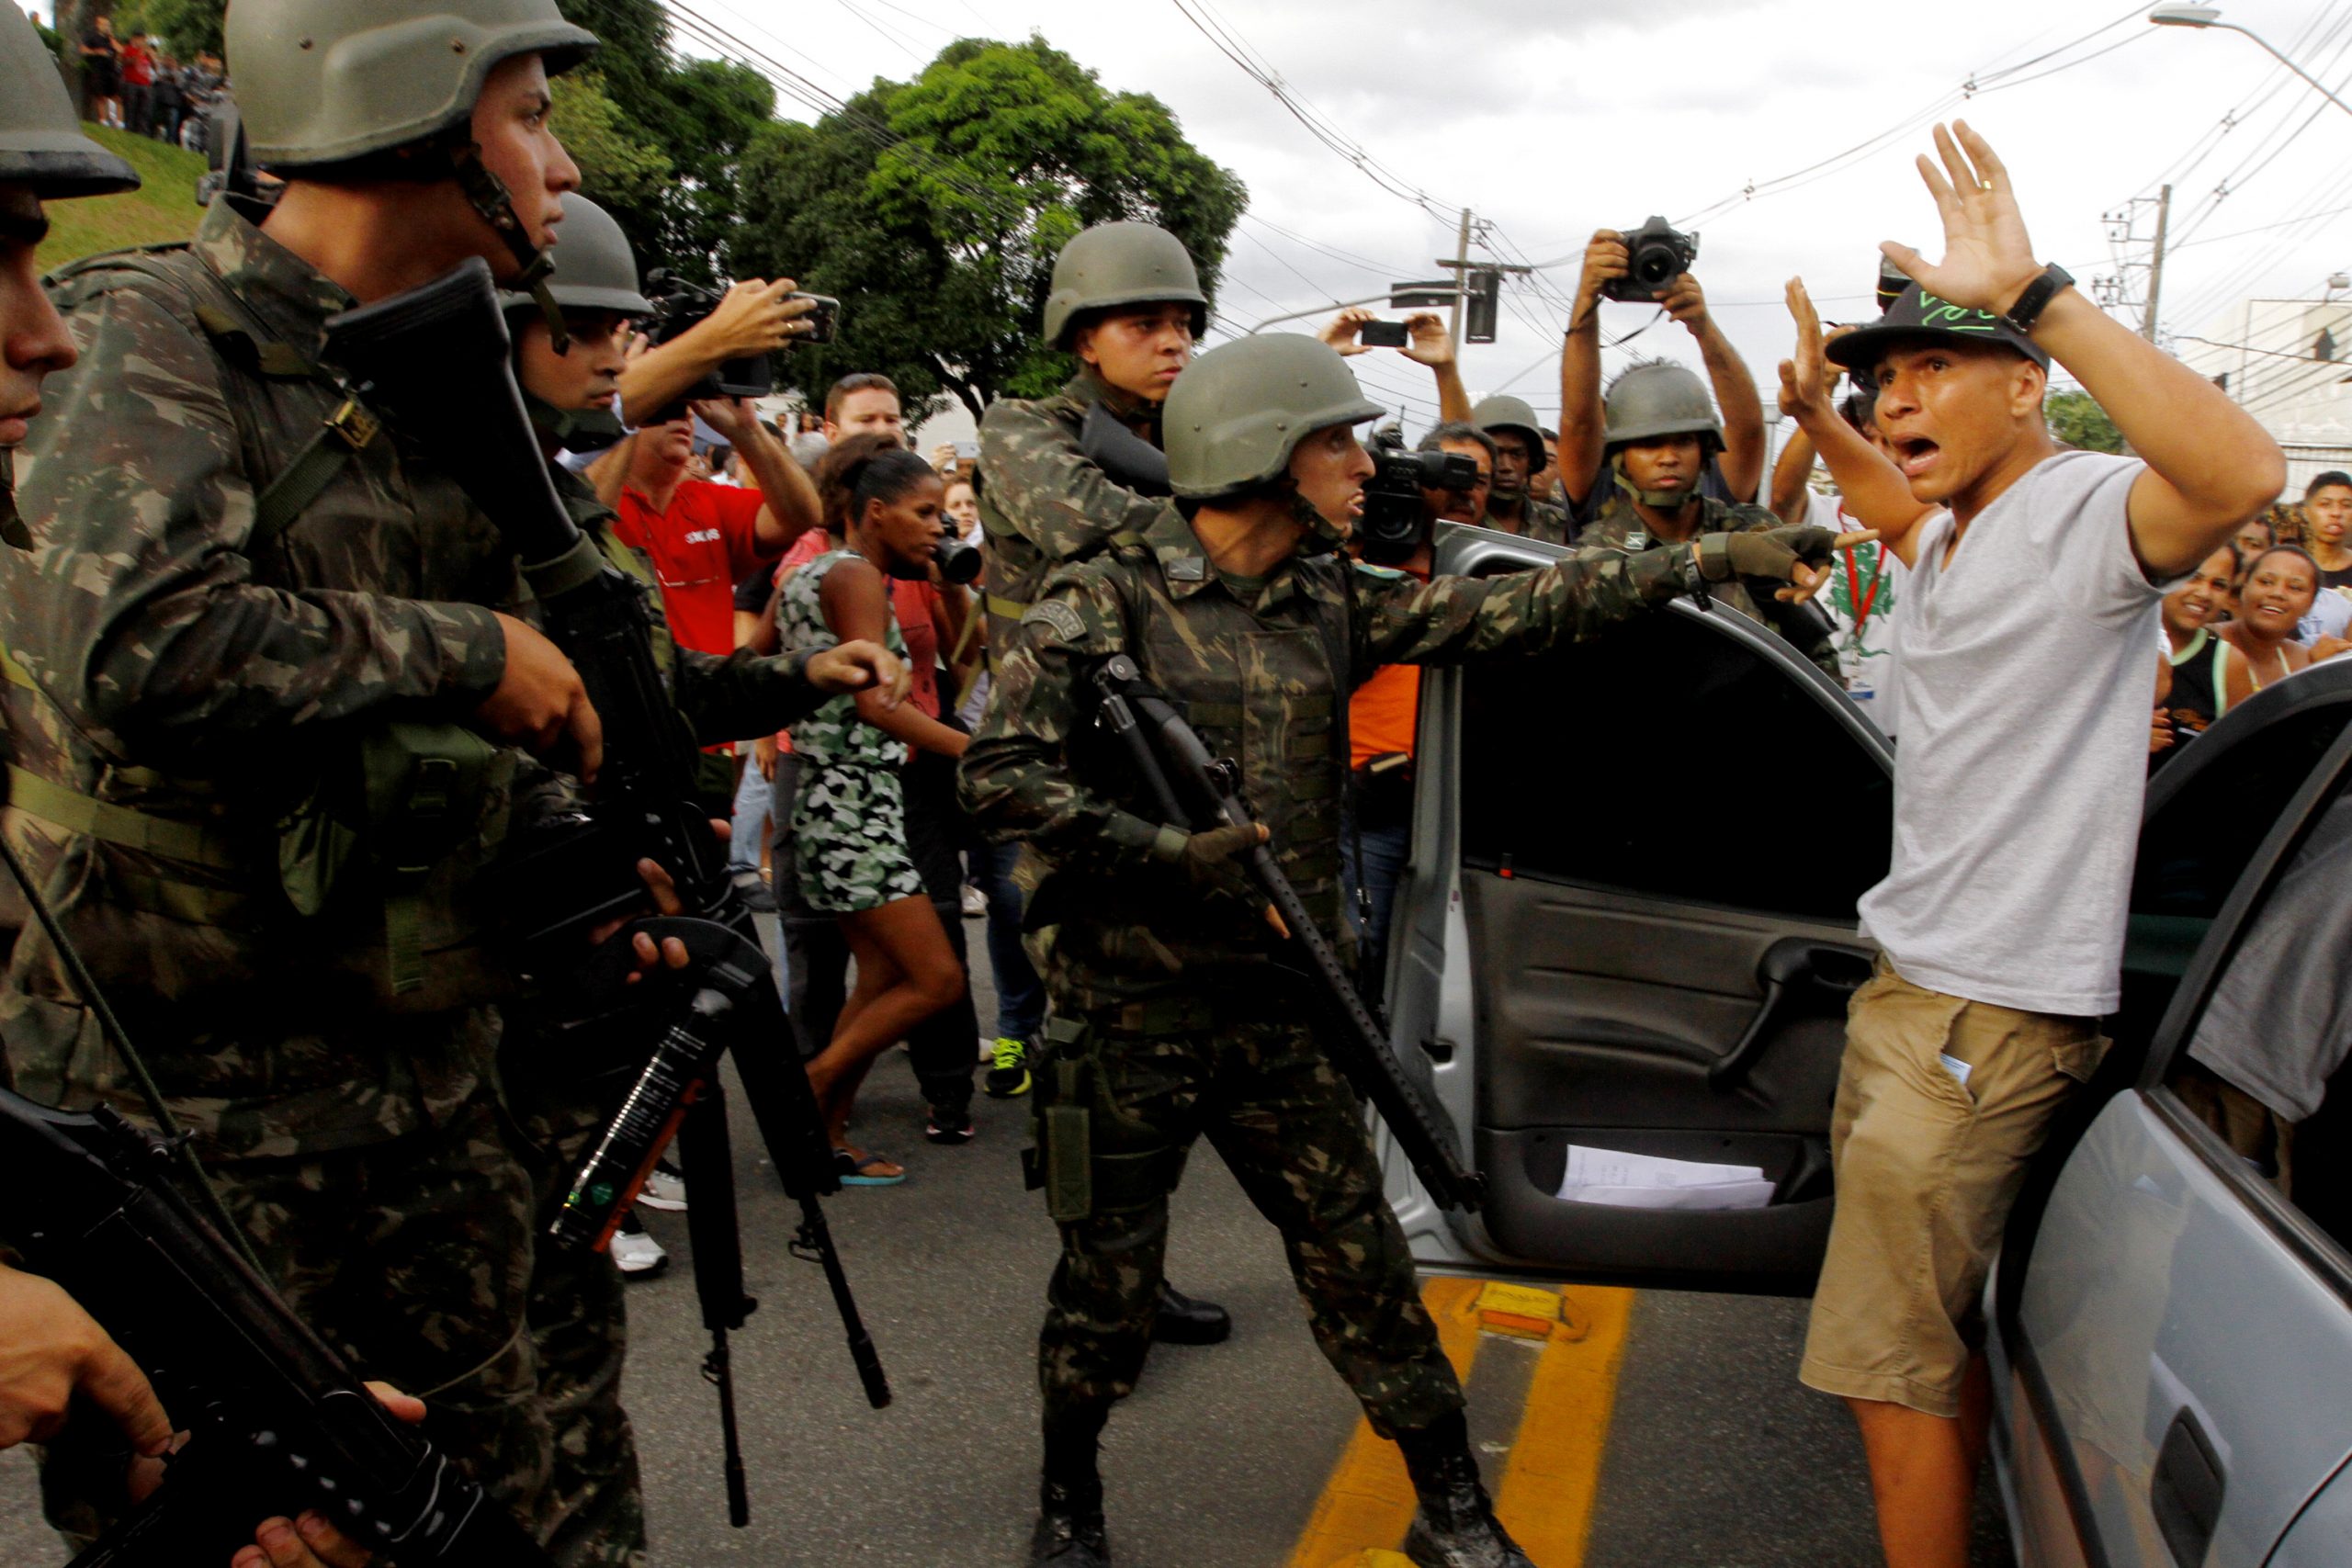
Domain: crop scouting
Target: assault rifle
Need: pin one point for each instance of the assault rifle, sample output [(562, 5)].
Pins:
[(1204, 794), (436, 359), (276, 1422)]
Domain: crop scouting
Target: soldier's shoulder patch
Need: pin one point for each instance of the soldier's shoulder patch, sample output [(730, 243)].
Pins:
[(1385, 573), (1057, 618)]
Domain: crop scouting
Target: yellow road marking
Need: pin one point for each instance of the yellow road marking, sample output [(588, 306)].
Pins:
[(1546, 1498), (1368, 1502), (1549, 1487)]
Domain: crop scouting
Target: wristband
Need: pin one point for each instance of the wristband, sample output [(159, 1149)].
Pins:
[(2036, 297)]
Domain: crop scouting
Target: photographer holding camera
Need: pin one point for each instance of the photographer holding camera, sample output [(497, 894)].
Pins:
[(1650, 264), (709, 333)]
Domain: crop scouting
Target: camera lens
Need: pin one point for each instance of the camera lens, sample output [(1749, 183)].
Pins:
[(959, 562)]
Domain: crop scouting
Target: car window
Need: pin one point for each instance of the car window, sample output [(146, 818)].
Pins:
[(1669, 759), (2265, 1055)]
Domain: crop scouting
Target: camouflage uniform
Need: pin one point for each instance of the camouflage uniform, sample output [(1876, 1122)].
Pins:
[(189, 706), (1043, 501), (1545, 521), (1617, 526), (578, 1316), (1164, 1021)]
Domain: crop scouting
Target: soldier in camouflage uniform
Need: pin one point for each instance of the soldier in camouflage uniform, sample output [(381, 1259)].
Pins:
[(271, 692), (1512, 505), (579, 1323), (1168, 1023), (1127, 301), (1661, 430)]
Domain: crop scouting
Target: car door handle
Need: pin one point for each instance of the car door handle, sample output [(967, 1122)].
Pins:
[(1792, 971), (2185, 1493)]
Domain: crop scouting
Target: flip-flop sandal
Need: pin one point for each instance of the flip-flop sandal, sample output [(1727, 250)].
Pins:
[(852, 1171)]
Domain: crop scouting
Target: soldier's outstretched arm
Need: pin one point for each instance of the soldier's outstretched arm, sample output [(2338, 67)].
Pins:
[(1400, 621), (136, 611), (1015, 778), (1035, 474), (747, 695)]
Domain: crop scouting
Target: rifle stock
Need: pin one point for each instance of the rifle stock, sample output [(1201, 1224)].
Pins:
[(1175, 765), (278, 1422)]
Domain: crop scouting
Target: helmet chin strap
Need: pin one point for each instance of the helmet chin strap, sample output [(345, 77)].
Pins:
[(1323, 535), (1659, 500), (490, 198), (12, 527)]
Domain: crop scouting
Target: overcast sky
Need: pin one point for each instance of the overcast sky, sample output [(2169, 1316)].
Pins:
[(1550, 117)]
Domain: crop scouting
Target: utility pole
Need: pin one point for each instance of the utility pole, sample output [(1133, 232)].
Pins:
[(2156, 266), (1461, 265)]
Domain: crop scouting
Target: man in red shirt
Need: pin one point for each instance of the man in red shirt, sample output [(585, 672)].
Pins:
[(705, 537)]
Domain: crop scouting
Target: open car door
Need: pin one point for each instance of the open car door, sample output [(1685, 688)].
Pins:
[(1628, 928), (2172, 1309)]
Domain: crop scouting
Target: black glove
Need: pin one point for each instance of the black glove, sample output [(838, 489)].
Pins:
[(1764, 552)]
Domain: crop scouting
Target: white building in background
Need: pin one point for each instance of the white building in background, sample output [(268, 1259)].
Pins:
[(2288, 363)]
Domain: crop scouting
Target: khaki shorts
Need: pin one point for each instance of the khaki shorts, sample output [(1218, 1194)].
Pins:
[(1926, 1170)]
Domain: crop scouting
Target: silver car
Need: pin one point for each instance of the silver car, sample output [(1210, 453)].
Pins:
[(1583, 957)]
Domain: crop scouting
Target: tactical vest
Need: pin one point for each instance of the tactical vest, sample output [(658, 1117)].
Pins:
[(351, 856)]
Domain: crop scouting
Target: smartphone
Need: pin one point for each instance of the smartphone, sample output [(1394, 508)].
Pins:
[(1383, 335), (825, 322), (967, 451)]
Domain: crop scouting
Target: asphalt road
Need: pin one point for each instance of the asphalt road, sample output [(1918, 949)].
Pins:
[(1708, 1451)]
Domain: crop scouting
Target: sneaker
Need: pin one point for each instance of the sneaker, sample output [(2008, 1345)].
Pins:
[(949, 1124), (1008, 1075), (664, 1189), (976, 903), (636, 1254)]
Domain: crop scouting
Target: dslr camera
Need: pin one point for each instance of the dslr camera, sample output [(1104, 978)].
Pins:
[(679, 306), (1395, 518), (1655, 254)]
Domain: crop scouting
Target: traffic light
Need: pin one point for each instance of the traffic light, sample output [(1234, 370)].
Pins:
[(1485, 298)]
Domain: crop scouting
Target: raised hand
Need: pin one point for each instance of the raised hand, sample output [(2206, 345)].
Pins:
[(1430, 344), (1340, 331), (1988, 261), (1805, 382)]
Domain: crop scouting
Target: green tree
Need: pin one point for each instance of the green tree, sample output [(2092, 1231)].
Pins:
[(2076, 419), (185, 26), (619, 170), (934, 208)]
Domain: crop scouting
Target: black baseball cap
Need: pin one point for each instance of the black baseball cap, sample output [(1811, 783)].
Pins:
[(1917, 314)]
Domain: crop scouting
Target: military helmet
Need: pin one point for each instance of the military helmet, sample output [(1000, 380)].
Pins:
[(594, 269), (1236, 415), (1513, 415), (324, 82), (1660, 397), (1121, 264), (41, 144)]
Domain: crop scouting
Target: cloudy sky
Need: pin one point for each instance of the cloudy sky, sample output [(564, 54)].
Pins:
[(1550, 117)]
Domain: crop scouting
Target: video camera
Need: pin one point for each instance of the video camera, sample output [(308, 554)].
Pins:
[(1655, 254), (679, 306), (1395, 518)]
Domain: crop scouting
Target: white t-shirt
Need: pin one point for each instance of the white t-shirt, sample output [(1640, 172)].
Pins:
[(1865, 585), (2331, 613), (2018, 783)]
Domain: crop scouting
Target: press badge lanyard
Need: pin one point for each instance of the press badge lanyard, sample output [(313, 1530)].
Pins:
[(1859, 598)]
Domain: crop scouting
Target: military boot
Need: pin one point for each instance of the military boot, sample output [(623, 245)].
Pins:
[(1180, 1319), (1456, 1527), (1069, 1531)]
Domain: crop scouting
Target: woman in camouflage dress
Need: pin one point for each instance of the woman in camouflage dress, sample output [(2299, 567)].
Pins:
[(849, 814)]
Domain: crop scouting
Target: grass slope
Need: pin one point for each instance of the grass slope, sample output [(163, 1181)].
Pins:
[(163, 208)]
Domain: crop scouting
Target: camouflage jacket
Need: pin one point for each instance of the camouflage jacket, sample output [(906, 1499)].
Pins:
[(1043, 501), (1617, 526), (1544, 522), (1263, 668), (189, 706)]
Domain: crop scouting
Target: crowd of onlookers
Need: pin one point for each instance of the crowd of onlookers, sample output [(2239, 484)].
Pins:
[(134, 83)]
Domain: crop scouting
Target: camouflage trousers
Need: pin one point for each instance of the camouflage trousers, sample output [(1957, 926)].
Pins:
[(595, 1512), (1290, 1129), (412, 1259)]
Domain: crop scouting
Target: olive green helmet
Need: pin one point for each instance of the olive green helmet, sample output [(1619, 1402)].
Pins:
[(41, 144), (1658, 398), (1502, 413), (1236, 415), (594, 269), (324, 82), (1121, 264)]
